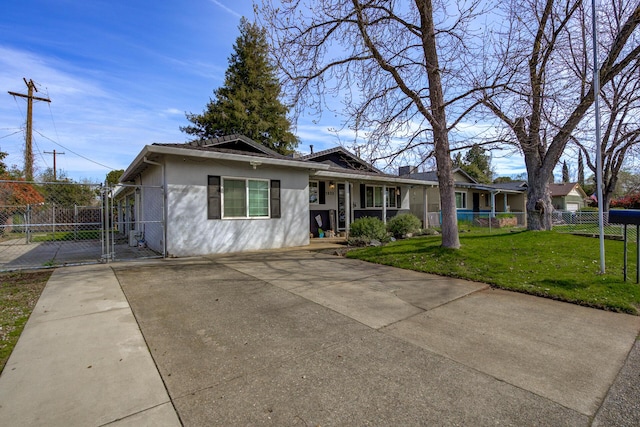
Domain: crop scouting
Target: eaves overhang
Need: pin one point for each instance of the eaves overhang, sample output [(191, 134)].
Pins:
[(155, 152), (337, 175)]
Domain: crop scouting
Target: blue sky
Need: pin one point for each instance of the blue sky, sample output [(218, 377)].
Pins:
[(120, 75)]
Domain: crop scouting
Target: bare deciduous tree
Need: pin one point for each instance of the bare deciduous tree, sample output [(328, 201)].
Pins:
[(542, 83), (398, 68), (620, 111)]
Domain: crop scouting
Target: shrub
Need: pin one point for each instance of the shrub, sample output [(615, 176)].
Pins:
[(370, 228), (403, 224), (505, 215)]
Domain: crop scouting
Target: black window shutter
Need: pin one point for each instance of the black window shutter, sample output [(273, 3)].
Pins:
[(363, 196), (321, 190), (213, 196), (275, 198)]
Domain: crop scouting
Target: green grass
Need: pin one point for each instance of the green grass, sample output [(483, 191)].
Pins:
[(551, 264), (19, 293), (66, 236)]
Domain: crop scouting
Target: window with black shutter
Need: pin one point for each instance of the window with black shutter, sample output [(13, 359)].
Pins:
[(213, 198), (322, 195), (275, 198)]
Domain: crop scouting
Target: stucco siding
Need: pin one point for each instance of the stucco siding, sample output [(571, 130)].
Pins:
[(150, 221), (189, 232)]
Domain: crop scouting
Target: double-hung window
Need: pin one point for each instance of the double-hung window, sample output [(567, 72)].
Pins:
[(314, 194), (243, 198), (461, 200), (373, 198)]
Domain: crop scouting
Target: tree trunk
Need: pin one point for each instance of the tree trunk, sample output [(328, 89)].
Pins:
[(539, 206), (450, 238), (608, 191)]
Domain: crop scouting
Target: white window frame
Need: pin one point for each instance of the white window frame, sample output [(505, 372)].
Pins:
[(464, 199), (315, 184), (246, 195), (375, 201)]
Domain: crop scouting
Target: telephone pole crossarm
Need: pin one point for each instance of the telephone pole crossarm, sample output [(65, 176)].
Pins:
[(28, 152), (22, 95), (55, 153)]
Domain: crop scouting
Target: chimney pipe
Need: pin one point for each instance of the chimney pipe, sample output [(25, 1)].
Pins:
[(311, 146)]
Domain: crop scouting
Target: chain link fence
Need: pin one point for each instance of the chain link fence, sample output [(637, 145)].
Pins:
[(49, 224), (491, 221), (586, 223)]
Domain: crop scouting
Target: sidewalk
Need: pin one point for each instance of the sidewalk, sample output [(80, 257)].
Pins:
[(82, 361)]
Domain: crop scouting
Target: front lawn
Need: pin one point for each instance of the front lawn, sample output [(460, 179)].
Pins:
[(550, 264), (66, 236)]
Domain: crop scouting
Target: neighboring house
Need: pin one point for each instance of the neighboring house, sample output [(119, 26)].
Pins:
[(472, 198), (232, 194), (568, 196)]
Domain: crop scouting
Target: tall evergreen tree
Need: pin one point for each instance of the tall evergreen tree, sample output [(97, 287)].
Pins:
[(477, 163), (565, 172), (580, 169), (249, 101)]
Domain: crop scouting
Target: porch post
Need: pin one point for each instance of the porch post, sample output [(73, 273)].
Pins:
[(425, 208), (347, 207), (505, 202), (493, 204), (384, 204)]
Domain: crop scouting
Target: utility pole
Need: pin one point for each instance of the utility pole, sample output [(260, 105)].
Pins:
[(54, 152), (28, 152)]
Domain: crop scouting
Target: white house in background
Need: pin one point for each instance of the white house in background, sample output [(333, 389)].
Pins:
[(231, 194)]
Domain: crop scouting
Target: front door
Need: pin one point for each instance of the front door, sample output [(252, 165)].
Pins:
[(341, 208), (476, 202)]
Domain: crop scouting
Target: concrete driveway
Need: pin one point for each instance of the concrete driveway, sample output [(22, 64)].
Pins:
[(302, 338)]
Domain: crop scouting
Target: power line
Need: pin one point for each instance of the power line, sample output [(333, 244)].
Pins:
[(40, 152), (55, 128), (6, 136), (73, 152)]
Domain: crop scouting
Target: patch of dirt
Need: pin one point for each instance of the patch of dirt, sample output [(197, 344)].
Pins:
[(336, 251)]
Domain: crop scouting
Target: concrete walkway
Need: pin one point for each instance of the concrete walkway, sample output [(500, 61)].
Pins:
[(296, 337), (82, 361)]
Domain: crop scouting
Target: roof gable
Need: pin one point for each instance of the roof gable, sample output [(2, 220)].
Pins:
[(341, 158), (237, 142), (460, 173), (564, 189)]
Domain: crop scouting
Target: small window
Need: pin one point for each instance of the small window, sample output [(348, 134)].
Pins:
[(461, 200), (313, 192)]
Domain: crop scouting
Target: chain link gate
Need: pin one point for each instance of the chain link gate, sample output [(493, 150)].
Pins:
[(51, 224)]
